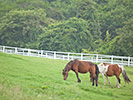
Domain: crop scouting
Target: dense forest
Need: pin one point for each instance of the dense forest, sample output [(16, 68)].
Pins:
[(90, 26)]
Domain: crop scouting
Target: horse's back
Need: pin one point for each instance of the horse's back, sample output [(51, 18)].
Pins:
[(85, 66), (112, 69)]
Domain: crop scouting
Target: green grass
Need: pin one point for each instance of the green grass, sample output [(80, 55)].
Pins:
[(33, 78)]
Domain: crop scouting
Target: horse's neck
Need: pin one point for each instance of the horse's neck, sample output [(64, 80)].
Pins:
[(104, 69), (67, 68)]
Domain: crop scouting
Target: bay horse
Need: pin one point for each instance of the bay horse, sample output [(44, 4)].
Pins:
[(113, 69), (82, 67)]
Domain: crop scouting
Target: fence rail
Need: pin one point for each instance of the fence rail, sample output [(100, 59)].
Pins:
[(97, 58)]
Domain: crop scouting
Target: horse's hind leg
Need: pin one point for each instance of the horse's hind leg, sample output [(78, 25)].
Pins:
[(116, 84), (97, 79), (108, 80), (118, 80)]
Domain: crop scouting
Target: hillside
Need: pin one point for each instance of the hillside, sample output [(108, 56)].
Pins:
[(33, 78)]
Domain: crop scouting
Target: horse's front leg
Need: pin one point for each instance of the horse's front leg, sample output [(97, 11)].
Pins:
[(92, 81), (78, 77), (108, 80), (103, 79)]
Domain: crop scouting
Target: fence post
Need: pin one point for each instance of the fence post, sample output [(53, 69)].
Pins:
[(91, 59), (23, 51), (46, 53), (68, 56), (3, 48), (97, 58), (101, 59), (38, 53), (128, 61), (81, 56), (54, 54), (63, 57), (122, 61), (41, 53), (112, 59), (16, 50), (28, 52)]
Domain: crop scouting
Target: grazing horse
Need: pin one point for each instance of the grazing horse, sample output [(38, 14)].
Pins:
[(82, 67), (113, 69)]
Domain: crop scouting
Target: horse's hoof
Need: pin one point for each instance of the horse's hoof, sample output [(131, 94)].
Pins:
[(79, 81), (119, 86), (96, 84)]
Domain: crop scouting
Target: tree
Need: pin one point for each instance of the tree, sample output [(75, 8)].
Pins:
[(6, 7), (19, 28), (126, 38), (113, 14), (110, 47), (71, 35), (88, 11)]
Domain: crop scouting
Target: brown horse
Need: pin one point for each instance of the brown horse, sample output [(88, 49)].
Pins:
[(82, 67), (113, 69)]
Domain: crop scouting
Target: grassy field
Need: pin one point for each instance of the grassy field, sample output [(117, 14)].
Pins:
[(33, 78)]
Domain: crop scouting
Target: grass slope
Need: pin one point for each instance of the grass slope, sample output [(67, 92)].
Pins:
[(33, 78)]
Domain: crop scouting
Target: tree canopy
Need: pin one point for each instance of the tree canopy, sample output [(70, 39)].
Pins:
[(91, 26)]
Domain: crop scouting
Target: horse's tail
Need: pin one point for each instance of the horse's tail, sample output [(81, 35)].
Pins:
[(97, 72), (124, 74)]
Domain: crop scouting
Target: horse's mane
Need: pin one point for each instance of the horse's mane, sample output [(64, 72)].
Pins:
[(67, 66)]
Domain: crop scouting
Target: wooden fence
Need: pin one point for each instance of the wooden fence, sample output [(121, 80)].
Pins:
[(97, 58)]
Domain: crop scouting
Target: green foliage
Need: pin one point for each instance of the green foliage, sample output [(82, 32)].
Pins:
[(113, 15), (71, 35), (4, 8), (111, 47), (22, 27), (88, 11), (126, 37), (68, 25)]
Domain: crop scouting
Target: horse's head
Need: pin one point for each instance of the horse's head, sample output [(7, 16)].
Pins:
[(66, 70), (100, 65), (65, 74)]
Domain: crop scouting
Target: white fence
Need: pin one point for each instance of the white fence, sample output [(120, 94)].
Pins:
[(97, 58)]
